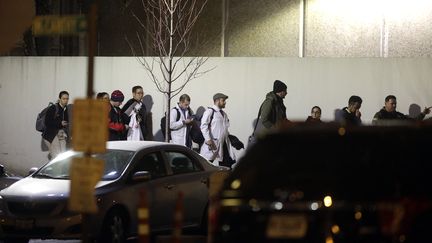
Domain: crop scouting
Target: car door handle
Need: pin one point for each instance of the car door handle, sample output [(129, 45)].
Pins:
[(169, 187)]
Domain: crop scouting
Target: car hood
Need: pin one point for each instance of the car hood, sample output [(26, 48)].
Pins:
[(41, 187)]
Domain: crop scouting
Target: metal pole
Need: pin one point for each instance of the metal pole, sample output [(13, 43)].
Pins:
[(302, 11), (223, 30), (92, 41)]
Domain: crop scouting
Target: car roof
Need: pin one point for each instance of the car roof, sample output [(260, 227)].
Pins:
[(135, 145), (335, 156)]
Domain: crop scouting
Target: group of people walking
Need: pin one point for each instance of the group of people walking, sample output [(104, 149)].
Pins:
[(129, 122)]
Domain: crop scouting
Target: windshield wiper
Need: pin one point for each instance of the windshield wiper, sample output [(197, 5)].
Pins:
[(42, 175)]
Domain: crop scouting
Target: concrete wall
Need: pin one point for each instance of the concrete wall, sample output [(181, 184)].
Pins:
[(28, 84)]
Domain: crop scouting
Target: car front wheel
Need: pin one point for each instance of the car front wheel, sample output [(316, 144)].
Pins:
[(114, 228)]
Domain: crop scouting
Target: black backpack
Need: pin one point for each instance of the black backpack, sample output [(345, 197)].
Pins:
[(195, 131), (40, 120), (163, 121)]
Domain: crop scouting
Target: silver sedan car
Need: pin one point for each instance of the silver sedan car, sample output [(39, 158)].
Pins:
[(36, 206)]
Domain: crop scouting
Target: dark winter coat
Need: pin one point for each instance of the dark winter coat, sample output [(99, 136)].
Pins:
[(348, 118), (273, 110), (53, 119), (313, 120), (117, 121), (142, 114), (383, 116)]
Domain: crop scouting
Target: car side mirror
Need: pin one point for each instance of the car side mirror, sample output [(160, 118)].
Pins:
[(32, 170), (141, 176)]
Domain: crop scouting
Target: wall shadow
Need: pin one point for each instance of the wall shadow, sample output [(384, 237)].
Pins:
[(414, 110), (148, 102)]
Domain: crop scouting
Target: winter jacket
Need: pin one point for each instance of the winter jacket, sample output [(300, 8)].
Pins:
[(273, 111), (117, 121), (348, 118), (53, 119), (384, 117), (313, 120), (142, 114)]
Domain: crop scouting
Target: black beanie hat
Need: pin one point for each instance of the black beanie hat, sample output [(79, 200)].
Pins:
[(279, 86)]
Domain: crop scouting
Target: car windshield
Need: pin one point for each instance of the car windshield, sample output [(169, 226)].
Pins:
[(115, 163)]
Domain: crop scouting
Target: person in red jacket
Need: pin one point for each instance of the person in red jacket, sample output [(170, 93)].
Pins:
[(117, 119)]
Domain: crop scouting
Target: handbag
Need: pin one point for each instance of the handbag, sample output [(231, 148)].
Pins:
[(235, 142), (252, 138), (196, 134)]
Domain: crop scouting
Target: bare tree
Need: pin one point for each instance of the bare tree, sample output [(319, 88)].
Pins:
[(168, 27)]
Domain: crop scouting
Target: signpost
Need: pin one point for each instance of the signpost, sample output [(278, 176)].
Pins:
[(59, 25), (90, 125), (85, 173)]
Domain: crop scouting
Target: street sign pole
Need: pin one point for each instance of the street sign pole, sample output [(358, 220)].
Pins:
[(92, 39)]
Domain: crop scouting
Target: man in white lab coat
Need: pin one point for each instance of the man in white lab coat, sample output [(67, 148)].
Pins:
[(181, 118), (214, 127)]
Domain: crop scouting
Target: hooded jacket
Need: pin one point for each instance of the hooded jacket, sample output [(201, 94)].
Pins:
[(273, 110)]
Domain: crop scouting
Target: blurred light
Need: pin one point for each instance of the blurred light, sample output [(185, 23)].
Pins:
[(277, 205), (328, 201), (226, 227), (341, 131), (235, 184), (231, 202), (358, 215), (329, 239), (402, 238), (335, 229), (314, 206), (254, 204)]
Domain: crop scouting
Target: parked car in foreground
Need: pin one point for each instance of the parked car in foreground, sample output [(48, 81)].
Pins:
[(6, 178), (36, 206), (330, 184)]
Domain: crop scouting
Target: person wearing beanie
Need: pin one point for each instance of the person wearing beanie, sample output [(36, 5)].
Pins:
[(117, 119), (136, 112), (272, 110)]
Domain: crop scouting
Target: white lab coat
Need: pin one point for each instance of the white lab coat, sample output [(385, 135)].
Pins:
[(178, 129), (134, 132), (218, 132)]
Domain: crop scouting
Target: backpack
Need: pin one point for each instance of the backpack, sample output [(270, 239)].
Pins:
[(195, 131), (40, 120), (163, 121)]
